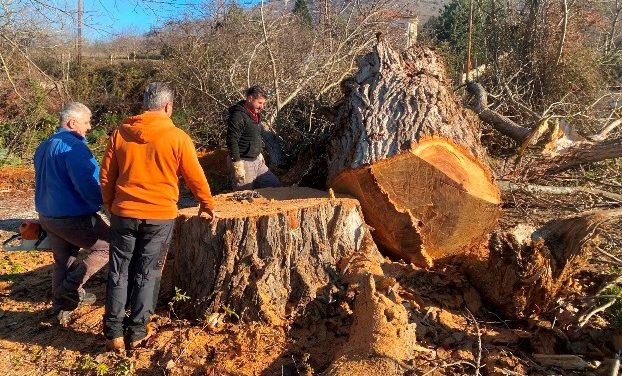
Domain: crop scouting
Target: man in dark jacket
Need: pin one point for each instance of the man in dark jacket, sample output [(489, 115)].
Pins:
[(249, 170), (67, 198)]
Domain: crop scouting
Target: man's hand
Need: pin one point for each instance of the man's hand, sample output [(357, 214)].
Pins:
[(238, 172), (205, 212)]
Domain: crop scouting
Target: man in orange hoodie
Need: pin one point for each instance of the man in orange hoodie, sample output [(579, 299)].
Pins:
[(139, 180)]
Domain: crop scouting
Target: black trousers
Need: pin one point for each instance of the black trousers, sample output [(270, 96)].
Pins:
[(67, 236), (138, 250)]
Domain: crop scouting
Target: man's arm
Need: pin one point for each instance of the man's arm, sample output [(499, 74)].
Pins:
[(83, 171), (109, 173), (235, 125), (194, 176)]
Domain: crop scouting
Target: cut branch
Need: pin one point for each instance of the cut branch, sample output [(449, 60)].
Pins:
[(508, 186), (501, 123)]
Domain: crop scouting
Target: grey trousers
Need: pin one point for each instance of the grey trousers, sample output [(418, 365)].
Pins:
[(67, 236), (138, 250), (257, 175)]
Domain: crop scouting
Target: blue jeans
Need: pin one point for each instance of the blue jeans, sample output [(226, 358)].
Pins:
[(138, 250)]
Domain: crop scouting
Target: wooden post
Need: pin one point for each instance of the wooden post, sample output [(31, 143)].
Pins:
[(411, 32), (79, 36)]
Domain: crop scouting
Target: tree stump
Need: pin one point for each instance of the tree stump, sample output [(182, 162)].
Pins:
[(406, 148), (266, 257), (523, 272)]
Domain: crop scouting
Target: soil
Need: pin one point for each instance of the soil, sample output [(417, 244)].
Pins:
[(455, 331)]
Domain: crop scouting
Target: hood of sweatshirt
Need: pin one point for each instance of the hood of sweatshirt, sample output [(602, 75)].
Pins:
[(145, 127)]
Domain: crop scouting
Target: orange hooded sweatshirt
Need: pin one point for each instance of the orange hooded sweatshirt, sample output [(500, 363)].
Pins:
[(140, 169)]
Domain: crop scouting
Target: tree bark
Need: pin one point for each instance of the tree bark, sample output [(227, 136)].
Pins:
[(394, 101), (522, 271), (406, 148), (266, 259)]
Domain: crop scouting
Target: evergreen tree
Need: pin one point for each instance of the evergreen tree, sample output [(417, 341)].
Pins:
[(301, 9)]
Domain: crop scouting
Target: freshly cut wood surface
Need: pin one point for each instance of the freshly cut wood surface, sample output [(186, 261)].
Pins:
[(268, 258), (426, 204)]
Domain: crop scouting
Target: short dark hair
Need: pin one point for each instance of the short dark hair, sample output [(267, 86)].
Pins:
[(256, 92)]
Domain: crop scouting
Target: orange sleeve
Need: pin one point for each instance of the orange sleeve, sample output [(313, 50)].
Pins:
[(193, 174), (109, 172)]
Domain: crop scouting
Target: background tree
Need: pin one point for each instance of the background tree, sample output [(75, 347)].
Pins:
[(301, 8)]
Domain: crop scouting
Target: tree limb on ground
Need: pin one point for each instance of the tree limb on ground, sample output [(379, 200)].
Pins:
[(508, 186), (566, 148)]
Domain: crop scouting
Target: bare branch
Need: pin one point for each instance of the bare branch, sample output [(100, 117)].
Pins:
[(603, 133), (562, 38), (275, 77), (8, 76), (508, 186)]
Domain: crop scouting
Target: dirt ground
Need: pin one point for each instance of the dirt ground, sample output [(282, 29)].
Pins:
[(456, 333)]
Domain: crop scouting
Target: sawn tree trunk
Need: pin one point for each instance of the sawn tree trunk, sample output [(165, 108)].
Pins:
[(410, 153), (265, 257)]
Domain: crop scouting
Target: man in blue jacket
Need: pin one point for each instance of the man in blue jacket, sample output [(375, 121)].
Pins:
[(67, 198)]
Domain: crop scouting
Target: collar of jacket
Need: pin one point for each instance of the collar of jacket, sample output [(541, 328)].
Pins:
[(63, 131)]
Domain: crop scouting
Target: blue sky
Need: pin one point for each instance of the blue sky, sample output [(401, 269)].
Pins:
[(104, 18)]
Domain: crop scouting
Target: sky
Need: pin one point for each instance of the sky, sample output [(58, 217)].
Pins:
[(105, 18)]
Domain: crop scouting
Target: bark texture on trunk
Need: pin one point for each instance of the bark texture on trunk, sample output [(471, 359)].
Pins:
[(425, 204), (407, 149), (523, 272), (265, 258), (393, 101)]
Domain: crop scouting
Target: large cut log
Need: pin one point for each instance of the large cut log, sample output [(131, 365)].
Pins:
[(393, 101), (523, 272), (425, 204), (407, 149), (266, 257)]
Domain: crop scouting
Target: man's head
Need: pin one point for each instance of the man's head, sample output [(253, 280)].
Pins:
[(76, 117), (256, 98), (158, 96)]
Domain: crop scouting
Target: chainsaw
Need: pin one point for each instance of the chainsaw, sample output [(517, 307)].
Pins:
[(31, 236)]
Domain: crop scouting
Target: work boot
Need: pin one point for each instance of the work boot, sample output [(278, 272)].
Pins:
[(64, 318), (116, 345), (151, 329), (67, 297), (86, 298), (70, 299)]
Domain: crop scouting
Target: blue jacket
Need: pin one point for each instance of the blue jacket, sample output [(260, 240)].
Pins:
[(66, 177)]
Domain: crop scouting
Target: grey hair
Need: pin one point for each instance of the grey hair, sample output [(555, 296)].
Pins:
[(72, 110), (156, 95)]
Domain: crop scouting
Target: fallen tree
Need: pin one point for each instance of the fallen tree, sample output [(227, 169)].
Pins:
[(562, 146), (408, 151)]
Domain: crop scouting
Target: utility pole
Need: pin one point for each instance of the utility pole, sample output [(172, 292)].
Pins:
[(469, 42), (79, 36)]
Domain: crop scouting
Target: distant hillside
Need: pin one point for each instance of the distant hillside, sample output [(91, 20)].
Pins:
[(424, 9)]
